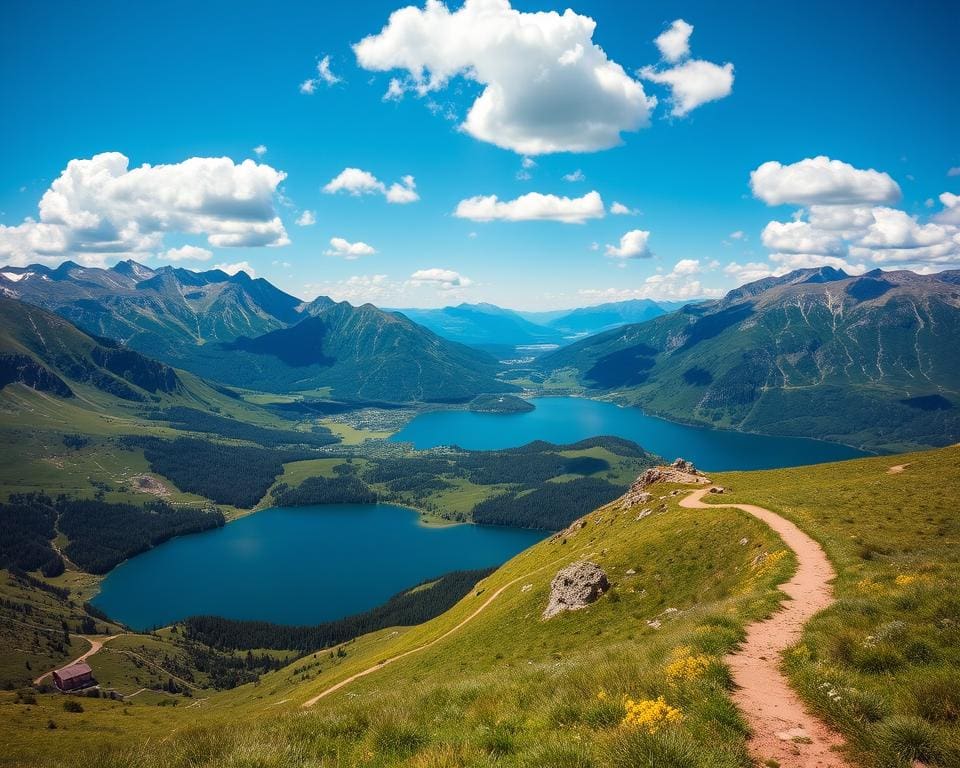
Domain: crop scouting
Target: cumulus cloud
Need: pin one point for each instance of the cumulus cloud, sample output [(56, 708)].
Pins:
[(357, 289), (850, 237), (347, 250), (306, 219), (576, 175), (100, 209), (187, 253), (533, 206), (801, 237), (260, 150), (820, 180), (693, 83), (324, 75), (951, 209), (674, 43), (444, 279), (546, 86), (356, 182), (403, 191), (619, 209), (679, 284), (633, 245), (240, 266)]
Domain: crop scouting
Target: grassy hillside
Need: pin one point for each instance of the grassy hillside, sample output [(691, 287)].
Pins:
[(510, 689)]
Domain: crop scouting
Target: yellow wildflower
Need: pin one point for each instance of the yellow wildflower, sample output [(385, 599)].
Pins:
[(686, 665), (601, 695), (906, 579), (651, 714)]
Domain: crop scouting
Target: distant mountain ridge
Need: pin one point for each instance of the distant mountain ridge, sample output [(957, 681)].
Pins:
[(489, 325), (870, 359), (246, 332)]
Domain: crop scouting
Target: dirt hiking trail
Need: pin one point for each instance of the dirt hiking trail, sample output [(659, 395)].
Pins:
[(782, 728)]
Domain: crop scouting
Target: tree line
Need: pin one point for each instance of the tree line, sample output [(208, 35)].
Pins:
[(412, 606)]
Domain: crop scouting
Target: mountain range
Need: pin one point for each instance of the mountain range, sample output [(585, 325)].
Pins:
[(871, 360), (488, 325), (246, 332)]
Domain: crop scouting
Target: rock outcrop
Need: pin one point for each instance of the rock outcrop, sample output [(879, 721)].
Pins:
[(681, 471), (575, 587)]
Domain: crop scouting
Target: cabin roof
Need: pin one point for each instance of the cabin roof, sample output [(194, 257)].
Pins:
[(74, 671)]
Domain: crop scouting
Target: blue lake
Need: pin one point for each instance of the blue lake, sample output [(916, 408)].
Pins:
[(300, 565), (569, 419)]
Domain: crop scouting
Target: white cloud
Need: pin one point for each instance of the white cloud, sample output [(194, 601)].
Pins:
[(444, 279), (260, 150), (749, 272), (633, 245), (356, 182), (801, 237), (357, 289), (619, 209), (187, 253), (528, 163), (676, 285), (738, 235), (674, 43), (850, 237), (347, 250), (100, 209), (546, 86), (955, 171), (306, 219), (693, 83), (821, 180), (576, 175), (403, 192), (533, 206), (951, 209), (232, 269), (323, 71), (324, 75)]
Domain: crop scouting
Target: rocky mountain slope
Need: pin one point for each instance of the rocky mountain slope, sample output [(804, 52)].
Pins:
[(871, 360), (245, 331)]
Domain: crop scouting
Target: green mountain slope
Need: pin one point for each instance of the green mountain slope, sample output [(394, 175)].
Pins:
[(360, 353), (870, 360), (245, 331), (43, 351), (163, 313), (492, 683)]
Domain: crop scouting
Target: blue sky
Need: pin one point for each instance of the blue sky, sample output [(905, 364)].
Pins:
[(868, 85)]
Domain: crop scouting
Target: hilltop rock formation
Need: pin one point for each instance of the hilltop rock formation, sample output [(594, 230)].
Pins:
[(575, 587), (681, 471)]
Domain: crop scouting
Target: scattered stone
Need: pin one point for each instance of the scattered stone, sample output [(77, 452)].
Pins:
[(631, 572), (717, 489), (743, 541), (526, 587), (575, 587), (654, 623), (644, 513)]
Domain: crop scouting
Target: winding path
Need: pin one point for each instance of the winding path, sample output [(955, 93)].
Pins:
[(430, 643), (782, 728), (96, 643)]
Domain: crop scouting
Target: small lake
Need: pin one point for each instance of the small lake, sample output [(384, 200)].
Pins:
[(569, 419), (302, 565)]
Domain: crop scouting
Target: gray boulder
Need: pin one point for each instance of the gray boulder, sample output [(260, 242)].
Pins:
[(575, 587)]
